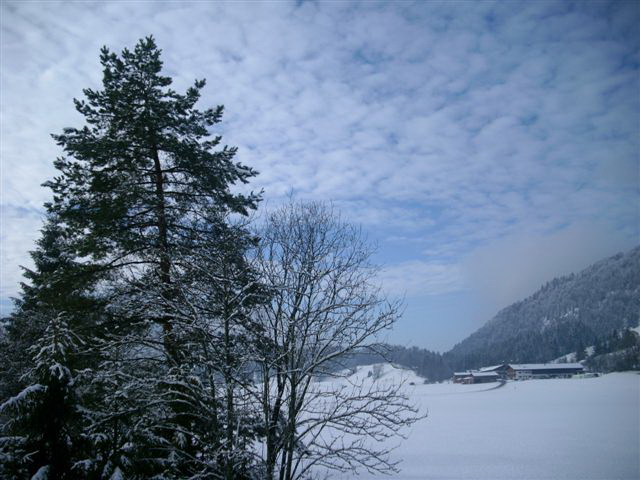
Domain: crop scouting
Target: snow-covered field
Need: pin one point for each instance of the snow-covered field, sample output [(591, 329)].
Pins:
[(537, 429)]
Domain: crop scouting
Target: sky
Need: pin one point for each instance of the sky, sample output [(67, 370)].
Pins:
[(484, 147)]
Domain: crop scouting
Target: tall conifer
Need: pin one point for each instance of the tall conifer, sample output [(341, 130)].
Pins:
[(144, 171), (143, 182)]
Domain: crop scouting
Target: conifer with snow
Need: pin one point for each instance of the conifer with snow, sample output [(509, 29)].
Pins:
[(43, 433), (139, 183)]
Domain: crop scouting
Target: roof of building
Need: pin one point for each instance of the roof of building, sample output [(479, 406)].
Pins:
[(493, 367), (460, 374), (484, 374), (546, 366)]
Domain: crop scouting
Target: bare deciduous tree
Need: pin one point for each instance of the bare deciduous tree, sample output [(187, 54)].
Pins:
[(325, 305)]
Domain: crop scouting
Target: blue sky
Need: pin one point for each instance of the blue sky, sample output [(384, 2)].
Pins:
[(486, 147)]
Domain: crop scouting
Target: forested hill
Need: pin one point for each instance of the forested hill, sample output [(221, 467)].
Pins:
[(592, 308), (565, 315)]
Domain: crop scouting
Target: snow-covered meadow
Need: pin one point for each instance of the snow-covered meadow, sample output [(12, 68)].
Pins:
[(537, 429)]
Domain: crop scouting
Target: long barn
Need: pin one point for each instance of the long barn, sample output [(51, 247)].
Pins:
[(526, 371)]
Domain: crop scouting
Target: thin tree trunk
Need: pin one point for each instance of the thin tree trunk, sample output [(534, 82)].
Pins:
[(270, 464), (291, 440), (229, 393)]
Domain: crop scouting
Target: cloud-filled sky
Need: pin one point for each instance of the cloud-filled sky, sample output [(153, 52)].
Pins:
[(486, 147)]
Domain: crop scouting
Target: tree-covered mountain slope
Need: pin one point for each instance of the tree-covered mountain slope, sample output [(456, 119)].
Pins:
[(565, 315)]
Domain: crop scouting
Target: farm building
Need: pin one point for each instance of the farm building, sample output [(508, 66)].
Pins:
[(543, 370), (475, 377), (515, 371), (501, 369), (484, 377), (459, 377)]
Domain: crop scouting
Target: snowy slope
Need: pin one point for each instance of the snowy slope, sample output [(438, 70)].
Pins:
[(382, 373), (539, 429)]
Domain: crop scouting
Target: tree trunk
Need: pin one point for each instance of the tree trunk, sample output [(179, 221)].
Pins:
[(165, 259), (291, 429), (229, 394)]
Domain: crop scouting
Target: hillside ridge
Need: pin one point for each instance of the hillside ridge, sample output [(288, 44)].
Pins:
[(566, 314)]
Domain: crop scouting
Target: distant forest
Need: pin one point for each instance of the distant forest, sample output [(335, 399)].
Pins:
[(593, 308)]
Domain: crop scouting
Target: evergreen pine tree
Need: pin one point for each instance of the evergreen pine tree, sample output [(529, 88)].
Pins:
[(43, 434), (141, 193), (216, 294), (57, 283), (142, 174)]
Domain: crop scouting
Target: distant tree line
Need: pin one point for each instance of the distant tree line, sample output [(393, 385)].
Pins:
[(619, 351)]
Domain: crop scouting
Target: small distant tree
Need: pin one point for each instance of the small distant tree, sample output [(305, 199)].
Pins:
[(324, 306), (377, 372)]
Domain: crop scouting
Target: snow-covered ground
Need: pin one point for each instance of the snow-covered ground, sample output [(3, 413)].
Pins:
[(537, 429), (381, 373)]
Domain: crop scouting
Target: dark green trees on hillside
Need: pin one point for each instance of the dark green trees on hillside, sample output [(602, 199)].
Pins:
[(566, 315)]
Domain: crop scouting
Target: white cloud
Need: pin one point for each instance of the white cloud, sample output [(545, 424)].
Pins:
[(19, 228), (418, 278)]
